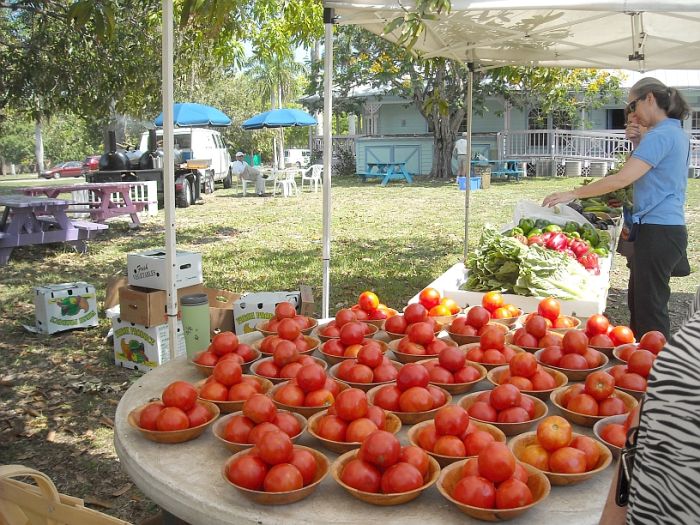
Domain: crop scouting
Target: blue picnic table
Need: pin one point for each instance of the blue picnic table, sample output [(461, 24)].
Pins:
[(387, 171), (507, 168)]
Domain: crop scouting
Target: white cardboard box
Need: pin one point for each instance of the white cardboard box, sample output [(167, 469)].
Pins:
[(143, 348), (60, 307), (250, 309), (147, 269), (449, 282)]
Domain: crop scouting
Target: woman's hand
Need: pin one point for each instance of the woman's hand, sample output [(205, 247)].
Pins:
[(558, 198)]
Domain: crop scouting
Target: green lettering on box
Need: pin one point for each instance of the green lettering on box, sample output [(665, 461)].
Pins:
[(63, 322)]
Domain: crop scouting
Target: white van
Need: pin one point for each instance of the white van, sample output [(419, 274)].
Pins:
[(300, 158), (200, 144)]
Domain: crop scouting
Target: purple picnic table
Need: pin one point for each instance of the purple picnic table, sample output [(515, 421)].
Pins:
[(105, 207), (33, 220)]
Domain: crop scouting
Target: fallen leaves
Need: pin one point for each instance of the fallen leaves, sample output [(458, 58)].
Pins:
[(122, 490), (98, 502)]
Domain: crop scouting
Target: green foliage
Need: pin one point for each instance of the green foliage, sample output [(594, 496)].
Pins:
[(345, 164), (15, 146)]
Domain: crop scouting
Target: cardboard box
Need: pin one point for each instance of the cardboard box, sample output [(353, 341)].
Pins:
[(221, 305), (308, 305), (250, 309), (60, 307), (147, 269), (112, 287), (141, 347), (147, 307)]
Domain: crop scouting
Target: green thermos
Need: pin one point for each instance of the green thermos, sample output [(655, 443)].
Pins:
[(195, 322)]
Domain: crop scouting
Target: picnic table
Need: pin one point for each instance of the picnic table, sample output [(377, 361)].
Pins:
[(387, 171), (111, 199), (33, 220), (508, 168)]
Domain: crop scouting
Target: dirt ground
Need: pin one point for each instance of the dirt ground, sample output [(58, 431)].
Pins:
[(57, 408)]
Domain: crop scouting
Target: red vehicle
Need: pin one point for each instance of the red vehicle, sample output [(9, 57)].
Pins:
[(91, 164), (72, 168)]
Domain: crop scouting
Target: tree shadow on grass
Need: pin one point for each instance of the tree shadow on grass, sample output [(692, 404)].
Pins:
[(618, 313)]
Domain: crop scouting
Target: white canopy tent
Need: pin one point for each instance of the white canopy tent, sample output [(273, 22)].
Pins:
[(633, 34)]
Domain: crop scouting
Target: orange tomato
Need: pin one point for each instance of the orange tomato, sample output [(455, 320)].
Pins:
[(492, 301), (451, 304), (439, 310), (429, 297)]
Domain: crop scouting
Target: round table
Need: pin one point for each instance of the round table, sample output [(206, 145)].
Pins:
[(185, 479)]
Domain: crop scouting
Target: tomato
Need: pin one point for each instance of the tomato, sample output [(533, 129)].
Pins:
[(513, 415), (417, 457), (493, 357), (370, 355), (283, 478), (384, 373), (549, 308), (223, 343), (625, 351), (536, 455), (502, 313), (318, 398), (427, 437), (451, 304), (597, 324), (554, 432), (269, 343), (351, 404), (415, 313), (330, 330), (653, 341), (179, 394), (542, 381), (429, 297), (567, 460), (641, 361), (420, 333), (410, 375), (290, 395), (288, 329), (440, 375), (617, 371), (332, 427), (248, 472), (574, 342), (361, 475), (451, 420), (483, 411), (436, 346), (172, 418), (475, 442), (449, 446), (466, 374), (570, 392), (621, 335), (305, 462), (368, 301), (380, 448), (563, 322), (521, 383), (241, 392), (352, 333), (438, 396), (284, 310), (492, 301), (599, 385), (632, 382), (387, 398), (227, 372), (492, 338), (523, 364), (359, 429), (259, 408), (246, 352), (550, 339), (593, 357), (260, 430), (214, 391), (148, 416), (601, 340), (478, 316), (311, 377), (475, 491), (496, 462), (573, 362), (206, 358), (512, 493), (590, 448), (632, 418), (505, 396), (470, 468), (237, 429), (536, 326), (287, 423), (396, 324), (475, 354), (614, 434), (415, 399), (583, 404), (275, 447), (526, 340)]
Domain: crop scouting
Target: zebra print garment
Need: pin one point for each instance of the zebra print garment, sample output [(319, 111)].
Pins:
[(665, 484)]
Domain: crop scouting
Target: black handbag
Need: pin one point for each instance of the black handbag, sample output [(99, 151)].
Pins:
[(625, 469)]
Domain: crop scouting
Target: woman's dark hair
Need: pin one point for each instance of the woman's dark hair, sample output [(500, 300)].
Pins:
[(667, 98)]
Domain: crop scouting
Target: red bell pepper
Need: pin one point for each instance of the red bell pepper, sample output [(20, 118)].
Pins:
[(557, 242), (590, 262), (580, 247)]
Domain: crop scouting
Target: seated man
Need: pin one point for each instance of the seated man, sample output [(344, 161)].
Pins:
[(244, 171)]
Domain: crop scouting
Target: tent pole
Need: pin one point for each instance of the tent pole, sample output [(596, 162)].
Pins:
[(169, 175), (468, 103), (328, 20)]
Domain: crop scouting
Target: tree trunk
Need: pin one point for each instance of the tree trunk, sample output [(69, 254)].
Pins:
[(443, 142), (280, 154), (38, 146)]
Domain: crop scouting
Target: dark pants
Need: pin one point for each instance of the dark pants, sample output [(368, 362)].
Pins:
[(658, 249)]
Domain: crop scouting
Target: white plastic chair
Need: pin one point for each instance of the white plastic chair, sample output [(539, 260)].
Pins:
[(313, 175), (284, 180)]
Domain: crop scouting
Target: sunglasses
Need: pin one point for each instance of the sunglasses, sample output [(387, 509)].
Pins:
[(631, 107)]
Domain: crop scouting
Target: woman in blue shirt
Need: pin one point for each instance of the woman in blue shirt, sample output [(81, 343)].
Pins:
[(658, 170)]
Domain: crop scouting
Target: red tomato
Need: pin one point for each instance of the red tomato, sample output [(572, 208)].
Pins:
[(351, 404), (214, 391), (384, 373), (305, 462), (551, 339), (632, 382), (380, 448), (449, 446), (259, 431), (641, 361), (343, 316), (359, 429), (172, 418), (567, 460), (583, 404), (477, 316), (238, 429), (283, 478), (417, 457), (311, 377), (542, 381), (492, 301), (284, 353), (496, 462), (601, 340), (451, 420), (416, 399), (396, 324), (452, 358), (223, 343), (437, 395), (284, 310), (563, 322), (148, 416), (617, 371), (427, 437), (505, 396), (597, 324), (401, 477), (611, 406), (614, 434), (370, 355), (536, 326), (352, 333), (523, 364), (288, 329), (179, 394), (554, 432), (513, 415), (332, 427), (361, 475), (535, 455), (512, 493), (653, 341), (275, 447), (429, 297), (440, 375), (377, 416), (415, 313), (521, 383), (420, 333), (589, 447), (248, 472), (573, 362), (259, 408), (290, 395), (621, 335), (368, 301), (318, 398), (549, 308), (475, 491), (241, 392), (246, 352), (574, 342), (466, 374), (501, 313), (475, 442), (483, 411), (410, 375), (206, 358), (492, 338), (387, 398), (287, 423), (599, 385), (228, 372)]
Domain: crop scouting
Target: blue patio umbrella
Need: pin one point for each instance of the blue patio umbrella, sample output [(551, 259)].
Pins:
[(280, 118), (193, 114)]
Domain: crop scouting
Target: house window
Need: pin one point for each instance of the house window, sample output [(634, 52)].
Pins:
[(537, 120), (695, 120)]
